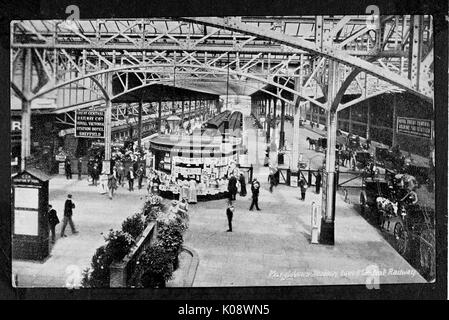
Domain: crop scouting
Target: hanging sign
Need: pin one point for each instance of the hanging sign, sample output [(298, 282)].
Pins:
[(415, 127), (89, 124)]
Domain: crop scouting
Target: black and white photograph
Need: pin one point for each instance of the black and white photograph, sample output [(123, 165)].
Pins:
[(223, 151)]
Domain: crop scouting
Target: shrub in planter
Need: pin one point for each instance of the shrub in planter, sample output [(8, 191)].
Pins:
[(134, 225), (118, 244), (170, 240), (154, 267), (152, 207), (98, 276)]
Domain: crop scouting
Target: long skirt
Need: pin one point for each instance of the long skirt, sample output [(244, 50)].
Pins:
[(192, 196)]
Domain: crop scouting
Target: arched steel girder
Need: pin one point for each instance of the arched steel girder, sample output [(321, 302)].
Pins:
[(147, 69), (332, 53), (169, 82), (344, 86)]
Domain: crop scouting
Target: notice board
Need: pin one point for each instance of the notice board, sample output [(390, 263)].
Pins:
[(89, 124), (415, 127)]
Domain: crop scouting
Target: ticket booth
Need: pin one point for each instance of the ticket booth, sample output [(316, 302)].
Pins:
[(29, 215)]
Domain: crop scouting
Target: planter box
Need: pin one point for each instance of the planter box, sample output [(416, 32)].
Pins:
[(122, 271)]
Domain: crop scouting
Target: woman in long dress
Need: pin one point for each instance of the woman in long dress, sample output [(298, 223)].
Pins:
[(192, 189), (112, 182), (185, 190)]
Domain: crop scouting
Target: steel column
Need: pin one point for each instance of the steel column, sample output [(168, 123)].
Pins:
[(296, 110), (268, 120), (139, 127), (329, 194), (394, 138), (282, 133), (368, 120), (159, 116), (26, 109)]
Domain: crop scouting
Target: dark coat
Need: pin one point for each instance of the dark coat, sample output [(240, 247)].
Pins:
[(232, 184), (242, 185), (68, 165), (255, 186), (303, 185), (128, 175), (68, 208), (53, 217), (229, 213)]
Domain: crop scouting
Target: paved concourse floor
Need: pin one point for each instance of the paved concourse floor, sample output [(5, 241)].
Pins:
[(266, 248), (272, 247)]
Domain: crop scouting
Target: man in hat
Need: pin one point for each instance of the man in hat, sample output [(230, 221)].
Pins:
[(230, 214), (68, 212)]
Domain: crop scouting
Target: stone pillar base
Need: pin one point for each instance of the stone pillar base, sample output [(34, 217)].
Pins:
[(327, 234)]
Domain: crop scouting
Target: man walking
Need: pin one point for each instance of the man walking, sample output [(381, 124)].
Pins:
[(52, 221), (255, 186), (230, 214), (68, 212), (303, 186)]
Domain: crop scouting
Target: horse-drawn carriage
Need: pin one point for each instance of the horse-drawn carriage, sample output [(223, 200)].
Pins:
[(389, 159), (393, 204)]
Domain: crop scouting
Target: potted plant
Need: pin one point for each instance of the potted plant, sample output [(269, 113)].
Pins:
[(170, 239), (134, 225), (98, 275), (154, 267), (118, 244)]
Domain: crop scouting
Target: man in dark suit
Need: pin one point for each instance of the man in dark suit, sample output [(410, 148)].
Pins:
[(68, 212), (68, 168), (255, 186), (230, 214), (52, 221), (232, 187)]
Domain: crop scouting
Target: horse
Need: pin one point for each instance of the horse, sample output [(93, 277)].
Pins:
[(312, 142)]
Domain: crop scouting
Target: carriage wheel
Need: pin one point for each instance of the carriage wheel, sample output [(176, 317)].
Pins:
[(427, 253), (401, 238)]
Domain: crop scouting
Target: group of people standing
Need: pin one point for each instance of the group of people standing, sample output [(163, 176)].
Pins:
[(235, 181), (232, 187)]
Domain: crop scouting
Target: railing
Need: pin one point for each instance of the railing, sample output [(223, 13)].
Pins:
[(350, 179)]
